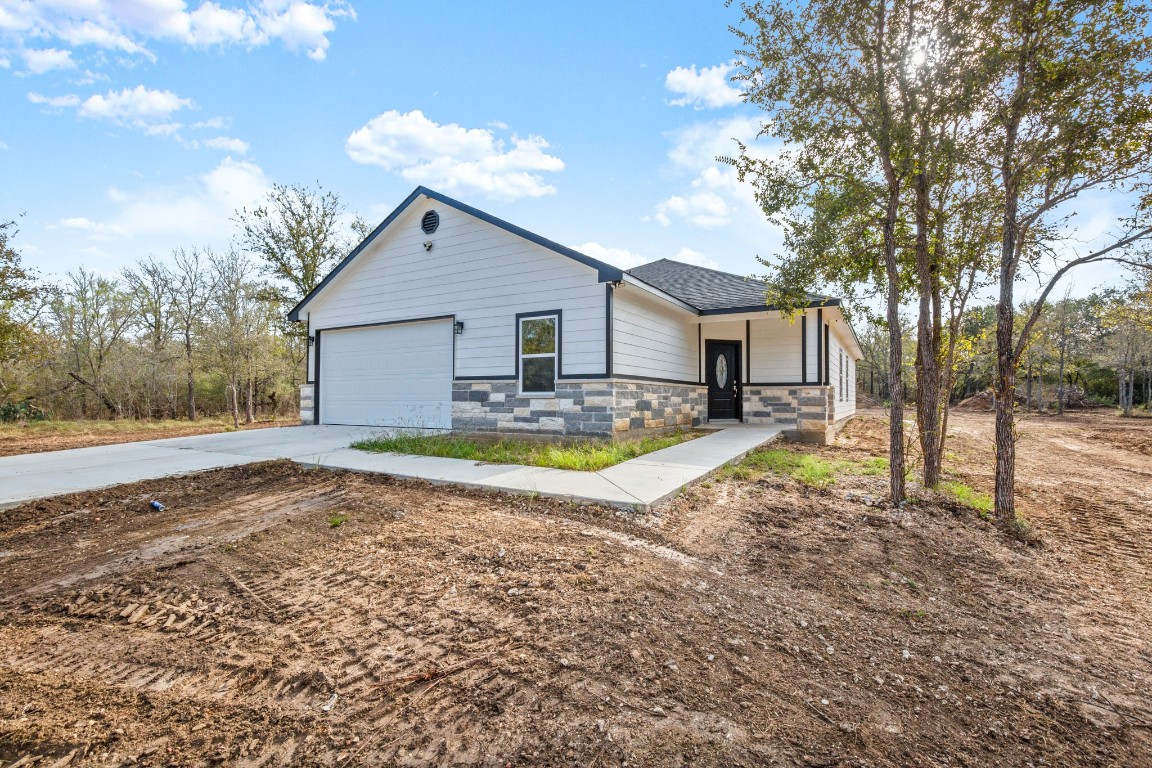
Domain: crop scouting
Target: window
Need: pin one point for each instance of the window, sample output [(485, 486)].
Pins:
[(538, 343)]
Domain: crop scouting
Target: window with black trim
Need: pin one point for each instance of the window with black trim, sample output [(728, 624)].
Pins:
[(538, 356)]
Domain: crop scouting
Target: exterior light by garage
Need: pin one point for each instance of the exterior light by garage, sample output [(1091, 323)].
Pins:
[(311, 340), (458, 327)]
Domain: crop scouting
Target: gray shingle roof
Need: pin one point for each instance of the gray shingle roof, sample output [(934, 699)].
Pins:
[(709, 289)]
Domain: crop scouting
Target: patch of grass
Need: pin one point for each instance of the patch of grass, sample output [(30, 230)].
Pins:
[(912, 615), (969, 497), (582, 456), (338, 520), (804, 467), (118, 426)]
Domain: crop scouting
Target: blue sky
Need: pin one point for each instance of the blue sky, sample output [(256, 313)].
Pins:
[(132, 128)]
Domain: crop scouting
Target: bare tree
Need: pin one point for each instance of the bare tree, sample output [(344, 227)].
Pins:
[(191, 292)]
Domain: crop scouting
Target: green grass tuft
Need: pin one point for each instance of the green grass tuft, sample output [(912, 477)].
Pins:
[(969, 497), (337, 520), (804, 467), (583, 456)]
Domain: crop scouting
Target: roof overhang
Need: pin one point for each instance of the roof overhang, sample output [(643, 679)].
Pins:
[(604, 272)]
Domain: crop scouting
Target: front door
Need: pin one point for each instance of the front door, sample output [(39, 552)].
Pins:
[(722, 367)]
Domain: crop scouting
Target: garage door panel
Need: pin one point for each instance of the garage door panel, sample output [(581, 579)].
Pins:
[(390, 376)]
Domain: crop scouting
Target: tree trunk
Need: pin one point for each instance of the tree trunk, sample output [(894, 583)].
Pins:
[(927, 353), (191, 379), (1060, 388), (234, 390), (1005, 379), (250, 408), (895, 352)]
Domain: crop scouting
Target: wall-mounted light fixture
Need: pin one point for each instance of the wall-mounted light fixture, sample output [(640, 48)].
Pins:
[(311, 340), (458, 327), (427, 245)]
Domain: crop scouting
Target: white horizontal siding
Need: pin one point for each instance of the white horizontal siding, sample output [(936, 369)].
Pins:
[(652, 339), (481, 274), (775, 353)]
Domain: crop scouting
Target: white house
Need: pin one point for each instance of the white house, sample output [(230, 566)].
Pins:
[(446, 317)]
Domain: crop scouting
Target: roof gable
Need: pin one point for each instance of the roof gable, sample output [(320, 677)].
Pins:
[(605, 272)]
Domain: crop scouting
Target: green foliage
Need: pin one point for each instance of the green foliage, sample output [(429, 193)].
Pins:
[(581, 456), (337, 520), (12, 412)]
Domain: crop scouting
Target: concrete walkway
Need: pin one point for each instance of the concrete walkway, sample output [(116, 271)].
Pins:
[(639, 484)]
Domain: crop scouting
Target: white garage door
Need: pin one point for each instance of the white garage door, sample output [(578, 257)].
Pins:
[(388, 376)]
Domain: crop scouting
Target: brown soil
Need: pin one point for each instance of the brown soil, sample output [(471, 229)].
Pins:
[(752, 622), (31, 439)]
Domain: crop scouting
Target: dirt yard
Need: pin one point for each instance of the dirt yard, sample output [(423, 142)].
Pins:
[(275, 615), (40, 436)]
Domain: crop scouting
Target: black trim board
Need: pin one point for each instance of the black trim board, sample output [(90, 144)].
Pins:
[(777, 384), (747, 350), (484, 378), (762, 307), (608, 330), (604, 272), (316, 385), (827, 358), (819, 354), (804, 349)]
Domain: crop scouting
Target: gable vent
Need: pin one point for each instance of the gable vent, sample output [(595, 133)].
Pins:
[(430, 222)]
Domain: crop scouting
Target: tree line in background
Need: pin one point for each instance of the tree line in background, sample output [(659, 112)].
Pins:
[(930, 151), (202, 332), (1090, 351)]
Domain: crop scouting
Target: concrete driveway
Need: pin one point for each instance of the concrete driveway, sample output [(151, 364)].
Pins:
[(39, 475)]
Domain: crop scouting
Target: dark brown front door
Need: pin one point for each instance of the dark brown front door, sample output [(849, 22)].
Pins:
[(722, 373)]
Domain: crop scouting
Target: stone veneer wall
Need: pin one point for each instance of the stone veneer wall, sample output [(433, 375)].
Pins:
[(804, 408), (587, 408), (307, 408)]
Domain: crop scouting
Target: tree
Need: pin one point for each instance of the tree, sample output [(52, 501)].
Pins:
[(866, 96), (151, 290), (298, 237), (91, 316), (18, 292), (1067, 111), (239, 328), (191, 292)]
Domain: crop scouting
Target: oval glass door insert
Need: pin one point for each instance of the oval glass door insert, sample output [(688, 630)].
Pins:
[(721, 371)]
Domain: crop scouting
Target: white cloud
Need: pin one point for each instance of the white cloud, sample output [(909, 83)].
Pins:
[(127, 26), (227, 144), (690, 256), (56, 102), (706, 88), (158, 220), (618, 257), (3, 146), (453, 158), (139, 106), (706, 210), (714, 197), (43, 60), (215, 123)]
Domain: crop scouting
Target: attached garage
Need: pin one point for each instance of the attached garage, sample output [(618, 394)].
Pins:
[(394, 375)]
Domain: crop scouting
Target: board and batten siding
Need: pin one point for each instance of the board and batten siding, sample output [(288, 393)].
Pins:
[(652, 339), (843, 387), (483, 276)]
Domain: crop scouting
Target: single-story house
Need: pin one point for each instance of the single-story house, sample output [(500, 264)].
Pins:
[(446, 317)]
